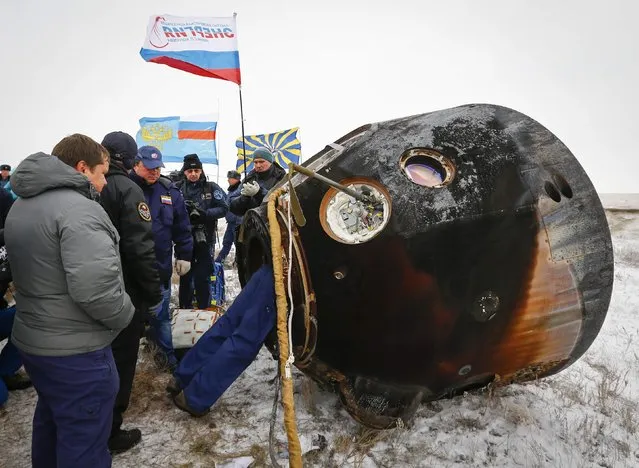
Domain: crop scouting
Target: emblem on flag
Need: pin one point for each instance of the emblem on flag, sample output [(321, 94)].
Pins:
[(178, 136), (285, 146), (203, 46)]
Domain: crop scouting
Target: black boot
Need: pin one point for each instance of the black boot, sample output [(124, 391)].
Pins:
[(16, 382), (180, 402), (173, 388), (122, 441)]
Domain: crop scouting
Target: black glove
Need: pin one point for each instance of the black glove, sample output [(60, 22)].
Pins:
[(196, 215)]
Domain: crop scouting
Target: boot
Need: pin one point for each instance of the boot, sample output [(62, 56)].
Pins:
[(180, 402), (122, 441), (16, 382), (173, 388)]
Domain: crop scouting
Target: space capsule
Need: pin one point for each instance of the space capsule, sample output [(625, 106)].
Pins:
[(477, 253)]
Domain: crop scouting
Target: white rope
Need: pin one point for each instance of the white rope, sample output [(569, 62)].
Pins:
[(291, 357)]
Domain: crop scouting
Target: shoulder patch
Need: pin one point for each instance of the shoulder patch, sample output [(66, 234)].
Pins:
[(144, 212), (218, 195)]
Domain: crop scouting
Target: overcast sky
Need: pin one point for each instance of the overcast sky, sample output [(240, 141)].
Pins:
[(330, 66)]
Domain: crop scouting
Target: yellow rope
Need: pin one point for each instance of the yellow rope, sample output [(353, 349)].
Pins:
[(294, 448)]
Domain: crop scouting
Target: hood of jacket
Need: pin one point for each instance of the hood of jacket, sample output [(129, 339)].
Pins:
[(41, 172), (117, 168)]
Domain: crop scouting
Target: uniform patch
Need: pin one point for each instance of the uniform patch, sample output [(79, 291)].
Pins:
[(166, 199), (218, 195), (144, 212), (206, 196)]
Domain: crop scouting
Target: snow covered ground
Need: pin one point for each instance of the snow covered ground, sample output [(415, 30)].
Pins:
[(585, 416)]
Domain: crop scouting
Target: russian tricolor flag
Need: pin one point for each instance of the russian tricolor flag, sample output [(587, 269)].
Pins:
[(203, 46), (177, 136)]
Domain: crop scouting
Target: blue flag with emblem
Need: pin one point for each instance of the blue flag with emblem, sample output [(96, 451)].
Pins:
[(177, 136), (285, 145)]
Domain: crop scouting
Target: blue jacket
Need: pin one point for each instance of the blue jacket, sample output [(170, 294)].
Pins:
[(170, 223), (233, 193), (8, 188), (209, 198)]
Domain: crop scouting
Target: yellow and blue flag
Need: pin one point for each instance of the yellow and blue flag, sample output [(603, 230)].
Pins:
[(177, 136), (285, 145)]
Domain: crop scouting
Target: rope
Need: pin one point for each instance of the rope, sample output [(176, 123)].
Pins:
[(291, 356), (271, 429), (294, 448)]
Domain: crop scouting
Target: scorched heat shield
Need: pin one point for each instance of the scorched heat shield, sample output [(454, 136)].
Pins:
[(478, 253)]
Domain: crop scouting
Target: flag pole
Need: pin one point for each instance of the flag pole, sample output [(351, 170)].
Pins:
[(217, 147), (243, 137), (241, 112)]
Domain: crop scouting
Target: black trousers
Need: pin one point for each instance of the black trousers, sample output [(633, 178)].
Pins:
[(125, 354), (200, 277)]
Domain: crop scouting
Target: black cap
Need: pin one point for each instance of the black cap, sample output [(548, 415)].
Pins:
[(5, 167), (233, 175), (120, 145)]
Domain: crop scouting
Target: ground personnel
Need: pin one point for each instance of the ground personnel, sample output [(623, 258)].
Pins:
[(206, 203), (70, 301), (124, 202), (170, 223)]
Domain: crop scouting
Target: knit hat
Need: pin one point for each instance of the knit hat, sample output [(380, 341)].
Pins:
[(121, 147), (191, 161), (263, 153), (233, 175)]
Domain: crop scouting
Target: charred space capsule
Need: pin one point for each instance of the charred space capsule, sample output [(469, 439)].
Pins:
[(481, 254)]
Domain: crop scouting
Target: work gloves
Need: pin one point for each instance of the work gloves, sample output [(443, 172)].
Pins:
[(250, 189), (182, 267)]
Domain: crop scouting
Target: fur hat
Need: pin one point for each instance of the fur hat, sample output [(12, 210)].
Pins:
[(233, 175)]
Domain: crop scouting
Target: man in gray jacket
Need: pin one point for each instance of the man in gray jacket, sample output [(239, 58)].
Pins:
[(70, 299)]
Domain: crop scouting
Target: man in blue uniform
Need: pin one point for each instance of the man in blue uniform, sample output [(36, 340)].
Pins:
[(171, 228), (233, 221), (5, 175), (10, 360), (206, 203)]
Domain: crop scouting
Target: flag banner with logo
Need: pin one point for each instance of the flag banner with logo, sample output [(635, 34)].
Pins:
[(285, 145), (204, 46), (177, 136)]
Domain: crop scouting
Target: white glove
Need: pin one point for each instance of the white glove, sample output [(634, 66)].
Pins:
[(250, 189), (182, 267)]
